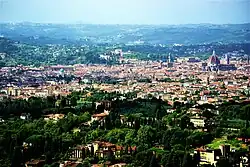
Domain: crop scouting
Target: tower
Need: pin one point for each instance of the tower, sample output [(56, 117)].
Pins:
[(170, 58), (208, 80), (227, 59), (121, 56)]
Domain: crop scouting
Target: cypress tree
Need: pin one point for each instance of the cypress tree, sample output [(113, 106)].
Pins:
[(17, 158), (153, 162)]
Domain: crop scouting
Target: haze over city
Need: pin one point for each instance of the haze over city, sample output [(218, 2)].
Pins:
[(126, 11)]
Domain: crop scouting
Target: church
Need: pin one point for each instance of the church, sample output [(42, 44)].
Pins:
[(214, 64)]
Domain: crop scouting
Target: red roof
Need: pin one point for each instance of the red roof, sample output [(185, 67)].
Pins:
[(100, 115)]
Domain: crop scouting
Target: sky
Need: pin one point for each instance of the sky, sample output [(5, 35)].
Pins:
[(126, 11)]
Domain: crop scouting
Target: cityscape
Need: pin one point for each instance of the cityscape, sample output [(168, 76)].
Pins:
[(124, 95)]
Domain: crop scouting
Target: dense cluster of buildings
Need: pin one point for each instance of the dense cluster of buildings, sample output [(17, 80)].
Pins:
[(182, 81), (211, 81)]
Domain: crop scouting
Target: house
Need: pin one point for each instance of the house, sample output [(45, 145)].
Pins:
[(194, 111), (119, 165), (97, 165), (100, 116), (103, 149), (70, 164), (208, 156), (170, 111), (244, 140), (211, 156), (198, 121), (79, 152), (105, 103), (244, 161), (35, 163), (99, 149), (13, 91), (54, 117), (1, 120), (25, 116)]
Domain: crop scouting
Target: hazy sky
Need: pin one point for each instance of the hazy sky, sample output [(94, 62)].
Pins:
[(126, 11)]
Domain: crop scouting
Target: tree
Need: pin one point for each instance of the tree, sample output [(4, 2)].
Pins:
[(73, 101), (48, 158), (146, 135), (92, 151), (17, 158), (126, 150), (160, 110), (165, 158), (176, 158), (111, 156), (86, 164), (188, 161), (143, 158), (222, 163), (107, 123), (198, 139), (83, 153), (185, 120), (246, 114), (153, 162), (127, 159), (130, 135)]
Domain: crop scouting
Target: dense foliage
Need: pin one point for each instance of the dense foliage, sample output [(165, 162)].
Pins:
[(161, 138), (16, 53)]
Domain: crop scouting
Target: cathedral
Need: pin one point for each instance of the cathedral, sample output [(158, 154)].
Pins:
[(214, 64)]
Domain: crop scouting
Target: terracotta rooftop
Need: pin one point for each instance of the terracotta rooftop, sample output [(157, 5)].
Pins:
[(100, 115), (35, 162)]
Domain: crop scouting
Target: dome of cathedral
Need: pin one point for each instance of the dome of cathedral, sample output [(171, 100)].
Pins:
[(213, 59)]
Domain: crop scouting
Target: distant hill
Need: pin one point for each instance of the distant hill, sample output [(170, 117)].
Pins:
[(7, 45), (89, 34)]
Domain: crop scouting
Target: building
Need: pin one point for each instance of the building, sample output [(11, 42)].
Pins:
[(25, 116), (193, 60), (60, 67), (13, 91), (100, 116), (198, 121), (1, 120), (227, 67), (225, 150), (208, 156), (214, 64), (70, 164), (204, 66), (35, 163), (170, 58), (54, 117), (105, 104), (99, 149), (119, 165), (170, 65), (227, 59), (194, 111), (211, 156)]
